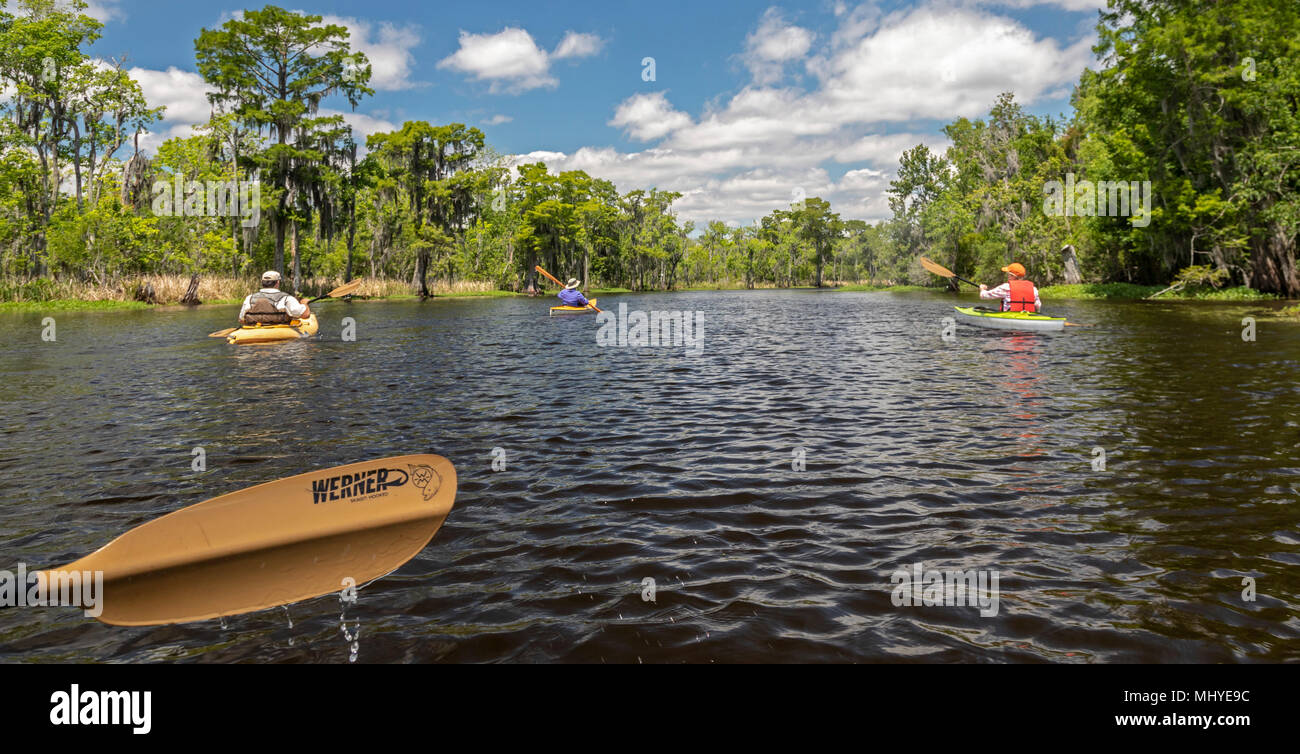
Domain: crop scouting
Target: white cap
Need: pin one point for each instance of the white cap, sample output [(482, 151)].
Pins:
[(270, 276)]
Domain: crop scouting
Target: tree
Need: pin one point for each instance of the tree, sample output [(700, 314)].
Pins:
[(272, 68)]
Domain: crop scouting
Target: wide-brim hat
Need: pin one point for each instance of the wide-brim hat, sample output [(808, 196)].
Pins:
[(573, 283)]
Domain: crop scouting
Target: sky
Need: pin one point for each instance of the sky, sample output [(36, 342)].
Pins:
[(742, 107)]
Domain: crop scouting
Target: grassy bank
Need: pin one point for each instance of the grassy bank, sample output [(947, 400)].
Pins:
[(47, 294), (1133, 291)]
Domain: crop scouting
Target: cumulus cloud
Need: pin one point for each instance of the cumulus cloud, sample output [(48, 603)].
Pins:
[(387, 47), (577, 45), (774, 44), (100, 10), (646, 117), (497, 120), (510, 60), (184, 93), (875, 79)]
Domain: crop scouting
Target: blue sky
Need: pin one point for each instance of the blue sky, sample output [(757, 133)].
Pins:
[(752, 105)]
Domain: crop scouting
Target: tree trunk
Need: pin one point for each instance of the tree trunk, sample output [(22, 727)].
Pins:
[(1072, 276), (192, 292), (297, 267), (1273, 264)]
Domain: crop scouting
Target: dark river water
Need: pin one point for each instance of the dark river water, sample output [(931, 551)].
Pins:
[(771, 485)]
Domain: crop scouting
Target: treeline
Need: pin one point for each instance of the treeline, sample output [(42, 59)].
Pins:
[(1204, 111), (1195, 110)]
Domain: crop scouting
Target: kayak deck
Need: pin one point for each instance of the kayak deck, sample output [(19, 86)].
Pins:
[(1028, 321), (253, 334), (573, 309)]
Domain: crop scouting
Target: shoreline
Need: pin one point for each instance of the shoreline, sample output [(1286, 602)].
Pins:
[(1082, 292)]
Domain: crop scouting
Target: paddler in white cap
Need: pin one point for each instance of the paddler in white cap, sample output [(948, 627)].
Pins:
[(270, 305)]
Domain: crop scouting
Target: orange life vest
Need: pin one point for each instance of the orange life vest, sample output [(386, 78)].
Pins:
[(1022, 296)]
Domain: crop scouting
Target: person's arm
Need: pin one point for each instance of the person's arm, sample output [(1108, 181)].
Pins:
[(1002, 291), (294, 308), (582, 300), (1038, 302), (244, 309)]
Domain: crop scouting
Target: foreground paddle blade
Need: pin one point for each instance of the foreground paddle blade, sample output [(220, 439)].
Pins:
[(274, 543), (222, 333)]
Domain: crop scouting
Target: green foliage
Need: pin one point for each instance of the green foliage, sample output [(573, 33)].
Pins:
[(1170, 103)]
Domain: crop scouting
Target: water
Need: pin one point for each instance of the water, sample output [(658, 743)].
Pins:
[(629, 464)]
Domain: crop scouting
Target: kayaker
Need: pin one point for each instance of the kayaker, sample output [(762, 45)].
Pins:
[(270, 305), (570, 295), (1017, 294)]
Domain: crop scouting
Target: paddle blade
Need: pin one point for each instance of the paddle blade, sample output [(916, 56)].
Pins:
[(937, 269), (344, 289), (222, 333), (275, 543)]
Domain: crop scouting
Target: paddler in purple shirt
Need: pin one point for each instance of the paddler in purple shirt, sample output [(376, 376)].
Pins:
[(570, 295)]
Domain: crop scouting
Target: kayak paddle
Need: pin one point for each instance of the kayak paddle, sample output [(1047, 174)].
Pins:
[(557, 282), (339, 292), (273, 543), (944, 272)]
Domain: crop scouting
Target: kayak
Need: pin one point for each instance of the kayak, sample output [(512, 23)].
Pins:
[(980, 317), (573, 309), (249, 334)]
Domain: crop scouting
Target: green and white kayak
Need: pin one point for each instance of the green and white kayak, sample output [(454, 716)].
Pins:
[(997, 320)]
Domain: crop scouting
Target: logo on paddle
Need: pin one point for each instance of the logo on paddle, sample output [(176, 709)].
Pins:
[(424, 477), (361, 484)]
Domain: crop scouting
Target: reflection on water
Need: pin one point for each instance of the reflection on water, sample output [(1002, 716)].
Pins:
[(616, 465)]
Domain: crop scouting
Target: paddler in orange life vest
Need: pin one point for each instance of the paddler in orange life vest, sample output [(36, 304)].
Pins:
[(271, 306), (1017, 294)]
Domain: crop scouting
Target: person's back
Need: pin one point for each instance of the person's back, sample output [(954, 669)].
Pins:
[(1017, 294), (570, 295), (270, 305)]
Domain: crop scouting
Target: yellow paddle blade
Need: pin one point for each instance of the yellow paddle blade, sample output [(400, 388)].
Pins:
[(344, 289), (222, 333), (937, 269), (273, 544)]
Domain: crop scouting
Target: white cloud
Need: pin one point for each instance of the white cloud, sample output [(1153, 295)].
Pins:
[(497, 120), (578, 45), (100, 10), (387, 47), (742, 157), (646, 117), (774, 44), (510, 60), (1071, 5), (362, 125), (183, 92)]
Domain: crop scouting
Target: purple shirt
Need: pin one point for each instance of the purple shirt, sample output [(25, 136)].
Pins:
[(571, 297)]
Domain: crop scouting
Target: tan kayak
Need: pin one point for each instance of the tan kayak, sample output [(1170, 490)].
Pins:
[(295, 330)]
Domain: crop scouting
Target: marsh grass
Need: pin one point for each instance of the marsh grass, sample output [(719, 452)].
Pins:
[(52, 293)]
